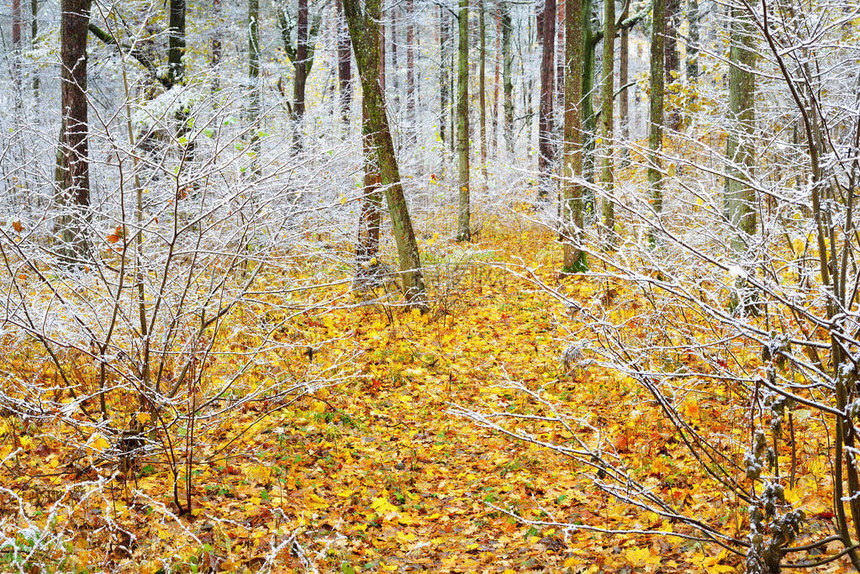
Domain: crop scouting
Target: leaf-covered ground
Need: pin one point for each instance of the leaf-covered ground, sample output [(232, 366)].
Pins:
[(378, 475)]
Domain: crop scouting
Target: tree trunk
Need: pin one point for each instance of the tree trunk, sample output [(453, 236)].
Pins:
[(301, 67), (444, 71), (73, 173), (482, 88), (496, 77), (507, 71), (370, 216), (574, 256), (547, 94), (740, 151), (623, 79), (693, 44), (364, 32), (673, 63), (176, 42), (410, 69), (655, 127), (255, 97), (215, 62), (463, 212), (607, 117), (16, 54), (589, 119), (34, 35), (344, 65)]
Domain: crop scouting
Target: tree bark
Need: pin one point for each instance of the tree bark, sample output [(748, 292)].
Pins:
[(655, 126), (444, 80), (364, 32), (215, 49), (482, 88), (34, 35), (574, 256), (255, 97), (73, 173), (176, 42), (496, 77), (607, 118), (673, 63), (740, 150), (623, 80), (507, 77), (463, 212), (589, 118), (301, 68), (16, 52), (344, 65), (410, 69), (547, 94)]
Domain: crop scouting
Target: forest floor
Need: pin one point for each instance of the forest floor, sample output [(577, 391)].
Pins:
[(378, 475)]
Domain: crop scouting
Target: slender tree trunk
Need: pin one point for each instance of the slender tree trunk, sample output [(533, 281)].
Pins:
[(589, 118), (344, 65), (673, 63), (572, 208), (507, 74), (463, 213), (395, 64), (607, 118), (255, 97), (215, 48), (17, 51), (482, 88), (496, 76), (370, 216), (693, 44), (444, 71), (176, 42), (73, 170), (655, 125), (34, 36), (740, 150), (410, 69), (364, 31), (301, 67), (547, 94), (623, 80)]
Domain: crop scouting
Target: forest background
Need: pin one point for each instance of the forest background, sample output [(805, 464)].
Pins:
[(421, 286)]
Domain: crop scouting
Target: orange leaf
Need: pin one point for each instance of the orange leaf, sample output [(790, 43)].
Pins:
[(113, 237), (16, 225)]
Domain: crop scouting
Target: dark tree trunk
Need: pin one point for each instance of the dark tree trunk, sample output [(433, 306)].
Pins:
[(34, 35), (301, 67), (410, 69), (547, 95), (215, 62), (73, 170), (255, 97), (344, 65), (463, 212), (365, 34), (507, 74), (176, 42)]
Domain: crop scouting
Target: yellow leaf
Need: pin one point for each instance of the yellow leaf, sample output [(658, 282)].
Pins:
[(99, 443)]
